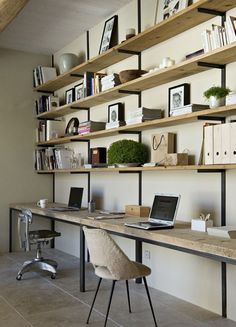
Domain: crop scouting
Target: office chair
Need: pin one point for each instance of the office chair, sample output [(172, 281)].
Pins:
[(110, 262), (37, 237)]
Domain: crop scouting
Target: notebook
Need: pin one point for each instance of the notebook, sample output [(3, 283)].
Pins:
[(75, 200), (162, 214)]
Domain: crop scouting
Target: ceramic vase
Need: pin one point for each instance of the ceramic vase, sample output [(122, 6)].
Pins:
[(214, 102), (67, 61)]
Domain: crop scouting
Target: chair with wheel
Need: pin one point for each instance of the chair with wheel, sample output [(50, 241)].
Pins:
[(110, 262), (38, 238)]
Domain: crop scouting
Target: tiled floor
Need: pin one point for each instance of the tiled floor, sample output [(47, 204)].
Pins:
[(38, 301)]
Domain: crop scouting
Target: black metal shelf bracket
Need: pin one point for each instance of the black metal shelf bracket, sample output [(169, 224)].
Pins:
[(210, 170), (211, 65), (85, 141), (211, 12), (129, 92), (213, 118), (139, 133), (76, 75), (79, 108), (47, 92), (129, 52)]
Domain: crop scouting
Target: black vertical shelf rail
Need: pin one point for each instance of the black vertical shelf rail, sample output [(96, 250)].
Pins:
[(223, 207)]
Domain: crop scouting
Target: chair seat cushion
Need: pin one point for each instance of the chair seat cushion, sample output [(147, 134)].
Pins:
[(135, 270), (43, 234)]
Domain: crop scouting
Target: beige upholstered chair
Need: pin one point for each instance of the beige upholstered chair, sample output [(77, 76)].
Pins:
[(110, 262)]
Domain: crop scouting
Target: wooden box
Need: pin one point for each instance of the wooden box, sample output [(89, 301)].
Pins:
[(136, 210), (176, 159), (98, 156)]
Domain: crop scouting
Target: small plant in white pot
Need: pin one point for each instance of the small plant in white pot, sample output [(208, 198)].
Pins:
[(216, 96)]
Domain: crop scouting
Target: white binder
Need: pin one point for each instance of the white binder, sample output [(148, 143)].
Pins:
[(208, 145), (217, 157), (233, 143), (225, 143)]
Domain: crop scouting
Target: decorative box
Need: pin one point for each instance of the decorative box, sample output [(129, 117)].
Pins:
[(201, 225), (136, 210)]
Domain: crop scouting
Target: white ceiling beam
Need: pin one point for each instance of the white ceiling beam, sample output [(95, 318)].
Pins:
[(8, 11)]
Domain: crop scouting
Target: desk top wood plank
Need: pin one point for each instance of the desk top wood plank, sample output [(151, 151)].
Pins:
[(181, 236)]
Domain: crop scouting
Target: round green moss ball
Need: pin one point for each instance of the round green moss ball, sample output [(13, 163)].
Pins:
[(127, 151)]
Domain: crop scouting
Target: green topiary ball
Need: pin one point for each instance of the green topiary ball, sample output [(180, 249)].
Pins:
[(127, 151)]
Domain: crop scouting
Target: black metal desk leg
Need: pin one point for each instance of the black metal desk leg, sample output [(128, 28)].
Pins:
[(138, 256), (10, 229), (224, 289), (53, 229), (82, 260)]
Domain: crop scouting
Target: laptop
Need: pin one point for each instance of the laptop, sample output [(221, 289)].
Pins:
[(75, 200), (162, 214)]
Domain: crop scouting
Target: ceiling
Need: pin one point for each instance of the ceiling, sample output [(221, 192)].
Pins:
[(45, 26)]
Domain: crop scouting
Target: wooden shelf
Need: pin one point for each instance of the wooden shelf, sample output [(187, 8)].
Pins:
[(180, 22), (163, 122), (133, 169), (221, 56)]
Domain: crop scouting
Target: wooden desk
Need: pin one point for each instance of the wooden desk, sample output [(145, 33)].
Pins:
[(181, 238)]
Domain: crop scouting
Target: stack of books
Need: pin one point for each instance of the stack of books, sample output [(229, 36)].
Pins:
[(115, 124), (42, 75), (142, 114), (91, 126), (110, 81), (46, 103), (218, 36), (188, 109), (53, 158)]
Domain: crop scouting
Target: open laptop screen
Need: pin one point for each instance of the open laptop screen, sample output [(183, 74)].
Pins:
[(75, 198), (164, 207)]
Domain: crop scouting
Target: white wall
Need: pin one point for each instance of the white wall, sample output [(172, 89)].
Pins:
[(18, 181), (191, 278)]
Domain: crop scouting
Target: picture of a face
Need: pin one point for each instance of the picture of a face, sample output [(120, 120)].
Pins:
[(113, 115), (177, 99)]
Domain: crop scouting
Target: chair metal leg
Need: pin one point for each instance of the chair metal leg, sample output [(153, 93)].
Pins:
[(99, 282), (149, 299), (127, 288), (109, 304)]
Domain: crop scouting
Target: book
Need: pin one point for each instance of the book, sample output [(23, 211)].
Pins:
[(223, 231), (145, 113), (115, 124), (55, 129), (47, 73), (189, 108), (194, 54)]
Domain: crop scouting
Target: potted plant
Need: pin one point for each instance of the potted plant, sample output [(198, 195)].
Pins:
[(216, 96), (127, 153)]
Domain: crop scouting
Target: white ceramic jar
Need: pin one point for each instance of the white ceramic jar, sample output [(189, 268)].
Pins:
[(67, 61)]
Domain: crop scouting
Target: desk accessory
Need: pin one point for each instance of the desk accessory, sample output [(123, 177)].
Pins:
[(202, 224), (223, 231), (136, 210), (42, 203)]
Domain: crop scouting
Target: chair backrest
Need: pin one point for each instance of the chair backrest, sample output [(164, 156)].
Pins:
[(104, 252), (24, 218)]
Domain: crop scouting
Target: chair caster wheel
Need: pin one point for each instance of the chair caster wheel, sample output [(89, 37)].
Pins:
[(18, 277), (53, 276)]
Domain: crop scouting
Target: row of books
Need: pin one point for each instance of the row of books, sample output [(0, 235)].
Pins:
[(94, 83), (46, 103), (53, 158), (43, 74), (91, 126), (109, 81), (143, 114), (219, 36)]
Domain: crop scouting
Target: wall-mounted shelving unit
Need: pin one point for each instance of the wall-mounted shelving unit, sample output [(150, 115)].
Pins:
[(195, 14)]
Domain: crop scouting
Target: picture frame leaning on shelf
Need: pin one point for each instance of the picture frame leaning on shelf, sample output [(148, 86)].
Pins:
[(178, 96), (167, 8), (110, 34)]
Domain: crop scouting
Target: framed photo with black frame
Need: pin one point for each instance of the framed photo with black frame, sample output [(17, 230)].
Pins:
[(70, 96), (79, 91), (116, 112), (167, 8), (178, 96), (110, 34)]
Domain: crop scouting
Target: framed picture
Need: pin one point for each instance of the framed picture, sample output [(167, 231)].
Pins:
[(109, 35), (178, 96), (79, 91), (116, 112), (72, 127), (69, 96), (167, 8)]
